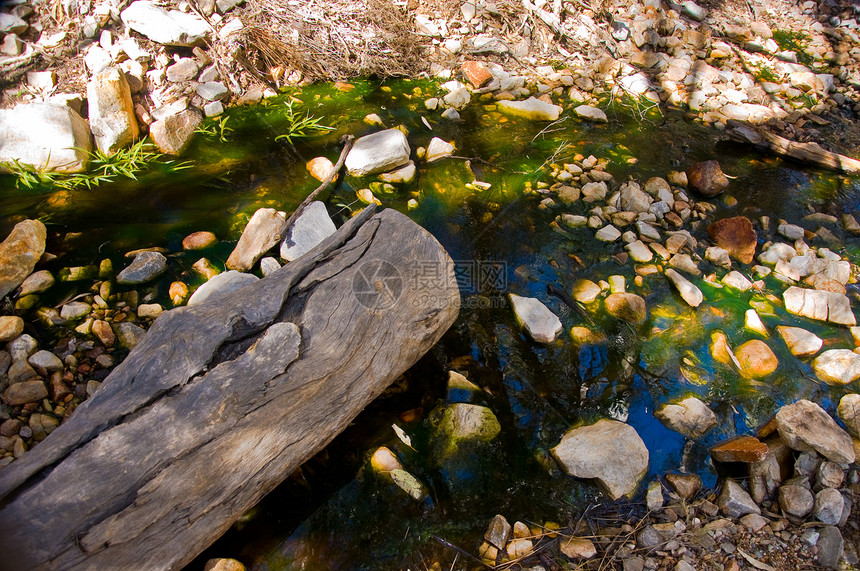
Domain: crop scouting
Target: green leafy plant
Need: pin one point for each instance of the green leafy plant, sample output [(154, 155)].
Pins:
[(300, 126), (127, 163), (216, 128), (790, 40)]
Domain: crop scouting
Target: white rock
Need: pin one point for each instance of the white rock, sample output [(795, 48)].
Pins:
[(800, 341), (609, 451), (688, 291), (752, 322), (837, 366), (378, 152), (45, 136), (639, 251), (594, 191), (608, 233), (820, 305), (458, 98), (591, 113), (690, 417), (111, 111), (172, 27), (541, 323), (531, 108), (221, 285), (312, 227), (791, 231), (775, 252), (438, 149), (404, 174), (260, 234), (737, 280)]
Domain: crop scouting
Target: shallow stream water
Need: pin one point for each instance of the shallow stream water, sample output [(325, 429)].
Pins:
[(332, 513)]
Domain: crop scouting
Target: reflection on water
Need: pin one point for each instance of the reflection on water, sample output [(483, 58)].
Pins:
[(334, 513)]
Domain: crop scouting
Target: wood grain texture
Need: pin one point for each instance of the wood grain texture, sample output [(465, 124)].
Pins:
[(220, 402), (808, 153)]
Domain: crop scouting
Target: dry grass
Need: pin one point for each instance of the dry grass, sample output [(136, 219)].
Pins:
[(335, 40)]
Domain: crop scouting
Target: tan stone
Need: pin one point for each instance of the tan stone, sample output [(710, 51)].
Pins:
[(736, 236), (756, 359), (741, 449)]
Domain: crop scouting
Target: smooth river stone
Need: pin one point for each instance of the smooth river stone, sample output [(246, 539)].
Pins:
[(688, 291), (19, 253), (377, 153), (837, 366), (800, 342), (532, 108), (541, 323)]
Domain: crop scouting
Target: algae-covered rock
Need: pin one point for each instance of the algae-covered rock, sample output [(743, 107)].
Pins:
[(461, 423)]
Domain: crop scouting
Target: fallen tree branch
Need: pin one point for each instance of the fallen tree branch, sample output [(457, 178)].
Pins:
[(810, 153), (347, 145)]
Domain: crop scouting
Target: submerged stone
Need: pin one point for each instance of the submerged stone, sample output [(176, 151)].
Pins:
[(537, 319), (609, 451), (736, 236), (463, 422), (690, 417), (707, 177), (532, 108), (627, 306), (688, 291), (756, 359)]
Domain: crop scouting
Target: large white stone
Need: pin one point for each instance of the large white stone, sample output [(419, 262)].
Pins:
[(818, 304), (807, 427), (221, 285), (312, 227), (688, 291), (531, 108), (837, 366), (378, 152), (111, 111), (541, 323), (45, 136), (609, 451), (172, 27), (591, 113)]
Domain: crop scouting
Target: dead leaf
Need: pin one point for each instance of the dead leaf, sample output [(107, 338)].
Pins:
[(755, 562)]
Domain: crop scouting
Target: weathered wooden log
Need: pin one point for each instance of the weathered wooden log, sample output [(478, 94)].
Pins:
[(221, 401), (808, 153)]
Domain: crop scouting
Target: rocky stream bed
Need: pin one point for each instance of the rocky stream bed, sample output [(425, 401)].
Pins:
[(662, 282)]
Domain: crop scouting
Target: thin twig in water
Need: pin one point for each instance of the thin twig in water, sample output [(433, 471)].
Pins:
[(348, 139), (460, 551), (549, 129)]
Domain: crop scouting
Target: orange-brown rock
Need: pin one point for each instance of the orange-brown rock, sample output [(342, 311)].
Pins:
[(741, 449), (756, 359), (199, 241), (476, 73), (736, 236)]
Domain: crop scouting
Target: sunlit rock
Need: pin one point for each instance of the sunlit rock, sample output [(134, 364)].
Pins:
[(20, 252), (377, 153), (609, 451), (849, 412), (438, 149), (45, 137), (752, 322), (532, 108), (807, 427), (687, 290), (800, 342), (756, 359), (590, 113), (262, 232), (172, 27), (837, 366), (820, 305), (461, 423), (627, 306), (737, 280), (111, 112)]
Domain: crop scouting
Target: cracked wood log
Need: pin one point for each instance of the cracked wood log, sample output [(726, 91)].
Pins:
[(221, 401), (808, 153)]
